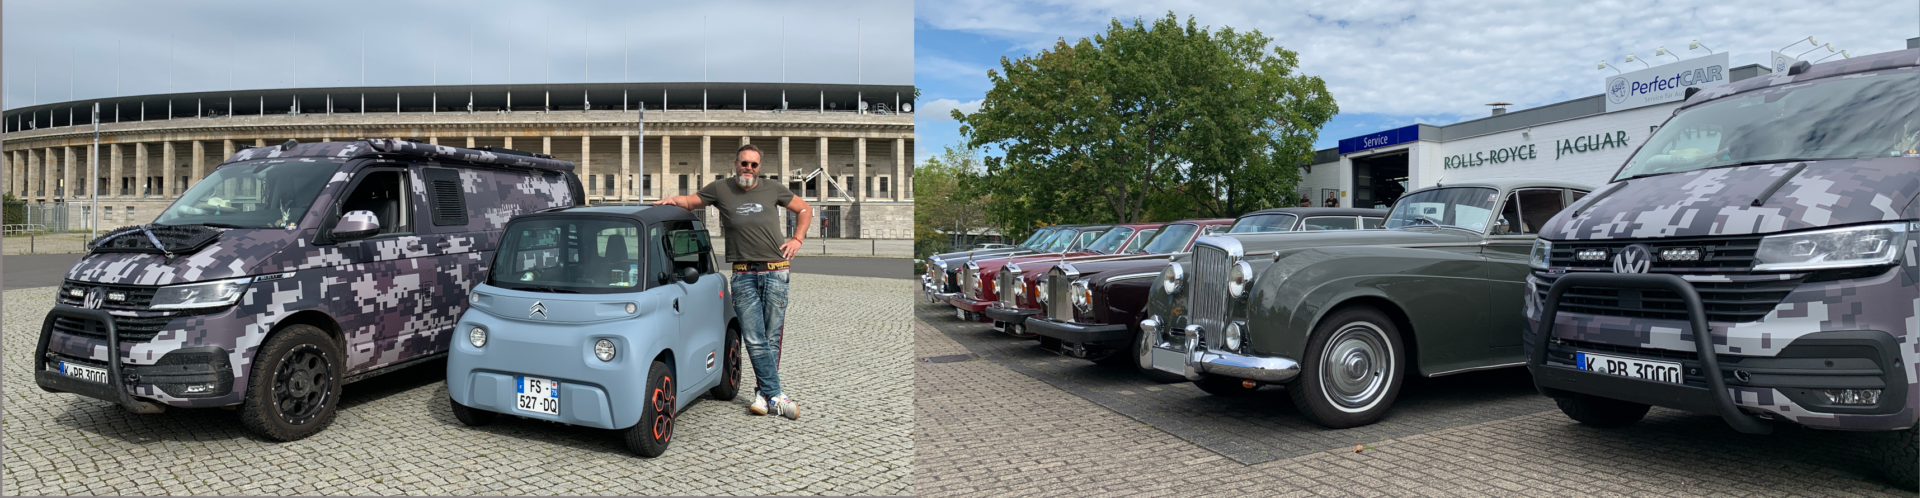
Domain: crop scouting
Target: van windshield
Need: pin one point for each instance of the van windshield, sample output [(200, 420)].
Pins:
[(251, 195), (1833, 118), (570, 255)]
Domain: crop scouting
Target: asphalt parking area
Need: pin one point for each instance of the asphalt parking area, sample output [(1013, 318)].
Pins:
[(847, 362), (1472, 434)]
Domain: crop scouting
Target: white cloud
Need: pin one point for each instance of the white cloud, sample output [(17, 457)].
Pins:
[(1450, 57), (941, 109)]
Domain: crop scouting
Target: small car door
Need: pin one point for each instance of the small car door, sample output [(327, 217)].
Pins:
[(666, 291), (1506, 249), (702, 318)]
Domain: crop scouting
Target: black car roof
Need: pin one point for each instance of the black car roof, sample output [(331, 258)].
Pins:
[(642, 213), (1321, 211), (380, 146)]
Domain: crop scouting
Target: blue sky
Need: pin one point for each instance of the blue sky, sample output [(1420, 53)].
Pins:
[(1391, 63)]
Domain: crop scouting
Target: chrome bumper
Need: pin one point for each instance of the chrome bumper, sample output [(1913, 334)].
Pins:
[(1197, 362)]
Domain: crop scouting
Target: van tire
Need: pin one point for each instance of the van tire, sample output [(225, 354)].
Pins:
[(1601, 412), (1355, 334), (729, 369), (650, 436), (1898, 453), (471, 417), (292, 363)]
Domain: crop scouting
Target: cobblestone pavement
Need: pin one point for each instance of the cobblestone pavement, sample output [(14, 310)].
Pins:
[(1010, 423), (847, 353)]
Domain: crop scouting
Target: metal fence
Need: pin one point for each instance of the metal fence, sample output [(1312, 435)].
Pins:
[(23, 218)]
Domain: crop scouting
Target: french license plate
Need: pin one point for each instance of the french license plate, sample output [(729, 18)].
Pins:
[(84, 372), (1657, 371), (538, 395)]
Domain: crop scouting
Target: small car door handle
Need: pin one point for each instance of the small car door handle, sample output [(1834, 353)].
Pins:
[(676, 305)]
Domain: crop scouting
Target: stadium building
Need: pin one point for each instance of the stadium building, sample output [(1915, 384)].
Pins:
[(845, 148)]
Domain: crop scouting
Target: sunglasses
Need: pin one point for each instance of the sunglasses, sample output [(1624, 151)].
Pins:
[(750, 164)]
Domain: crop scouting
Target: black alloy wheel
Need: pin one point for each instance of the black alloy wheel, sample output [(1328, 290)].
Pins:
[(650, 436), (294, 385)]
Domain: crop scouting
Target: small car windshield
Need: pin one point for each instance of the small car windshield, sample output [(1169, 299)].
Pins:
[(1172, 239), (1460, 207), (259, 194), (1259, 223), (570, 255), (1110, 242), (1833, 118)]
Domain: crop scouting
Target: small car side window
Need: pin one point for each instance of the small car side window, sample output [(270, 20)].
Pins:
[(657, 261), (689, 248)]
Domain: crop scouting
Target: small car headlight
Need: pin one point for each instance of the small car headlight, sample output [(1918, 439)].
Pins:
[(1239, 279), (1542, 249), (1082, 295), (1172, 277), (477, 337), (632, 308), (473, 297), (603, 349), (1233, 336)]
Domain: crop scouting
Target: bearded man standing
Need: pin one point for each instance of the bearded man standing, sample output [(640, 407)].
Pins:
[(759, 255)]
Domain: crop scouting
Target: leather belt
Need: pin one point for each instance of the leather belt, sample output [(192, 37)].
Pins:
[(761, 265)]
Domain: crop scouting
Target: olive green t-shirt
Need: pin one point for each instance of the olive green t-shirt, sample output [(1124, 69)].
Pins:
[(750, 219)]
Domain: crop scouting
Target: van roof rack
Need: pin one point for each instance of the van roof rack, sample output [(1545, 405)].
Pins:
[(504, 150)]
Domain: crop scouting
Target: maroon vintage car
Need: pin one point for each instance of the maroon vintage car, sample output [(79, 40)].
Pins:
[(978, 287), (1027, 297)]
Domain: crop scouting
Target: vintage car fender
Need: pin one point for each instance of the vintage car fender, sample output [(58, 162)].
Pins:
[(1291, 295)]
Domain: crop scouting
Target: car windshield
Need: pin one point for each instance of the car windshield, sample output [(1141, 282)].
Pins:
[(1834, 118), (1140, 241), (1274, 222), (1462, 207), (570, 255), (1062, 242), (1110, 242), (1039, 237), (258, 194), (1172, 239)]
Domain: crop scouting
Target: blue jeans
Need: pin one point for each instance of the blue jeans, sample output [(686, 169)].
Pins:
[(760, 301)]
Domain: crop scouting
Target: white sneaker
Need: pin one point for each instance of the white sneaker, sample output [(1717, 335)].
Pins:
[(785, 407), (759, 406)]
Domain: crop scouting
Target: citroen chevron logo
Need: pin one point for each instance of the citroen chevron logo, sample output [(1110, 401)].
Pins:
[(1633, 259), (537, 309)]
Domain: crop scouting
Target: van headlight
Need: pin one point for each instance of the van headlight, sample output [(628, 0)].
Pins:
[(1868, 245), (1537, 258), (477, 336), (213, 294), (603, 349), (1239, 279), (1172, 277)]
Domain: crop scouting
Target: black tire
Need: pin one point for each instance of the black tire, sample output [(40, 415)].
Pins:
[(1346, 380), (1142, 354), (294, 386), (1224, 386), (729, 369), (471, 417), (1601, 412), (650, 436), (1898, 453)]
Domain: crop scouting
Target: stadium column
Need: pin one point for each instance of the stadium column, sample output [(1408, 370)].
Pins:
[(115, 171), (199, 165), (786, 170), (619, 185), (469, 140), (68, 174), (666, 164), (33, 174), (430, 140), (546, 145), (706, 161), (140, 170), (861, 186), (9, 174), (826, 173), (226, 149), (507, 143), (586, 163), (167, 166), (899, 169)]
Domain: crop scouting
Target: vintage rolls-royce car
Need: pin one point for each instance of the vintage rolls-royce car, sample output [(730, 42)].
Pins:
[(1105, 300), (978, 289), (940, 281), (1016, 292), (1340, 318), (1778, 216)]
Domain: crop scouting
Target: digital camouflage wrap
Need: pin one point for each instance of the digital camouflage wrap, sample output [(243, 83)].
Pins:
[(391, 299)]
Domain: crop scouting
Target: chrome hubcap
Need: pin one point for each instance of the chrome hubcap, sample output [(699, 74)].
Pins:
[(1355, 366)]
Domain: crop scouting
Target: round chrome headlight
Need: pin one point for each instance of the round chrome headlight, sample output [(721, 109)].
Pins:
[(1172, 277), (1042, 291), (477, 337), (1239, 279), (632, 308), (1019, 293), (603, 349), (1233, 336), (1082, 295)]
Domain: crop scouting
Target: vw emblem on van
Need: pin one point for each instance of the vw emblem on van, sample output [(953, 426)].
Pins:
[(1633, 259), (537, 309), (93, 299)]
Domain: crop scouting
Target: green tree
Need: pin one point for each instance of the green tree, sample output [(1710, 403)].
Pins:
[(1143, 120), (941, 203)]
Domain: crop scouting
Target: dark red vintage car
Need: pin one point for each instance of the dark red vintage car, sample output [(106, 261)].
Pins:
[(1027, 297), (979, 288)]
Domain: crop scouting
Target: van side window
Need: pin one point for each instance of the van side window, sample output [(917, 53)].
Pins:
[(383, 192)]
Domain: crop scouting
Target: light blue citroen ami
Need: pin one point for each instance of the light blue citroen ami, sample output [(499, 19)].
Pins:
[(611, 317)]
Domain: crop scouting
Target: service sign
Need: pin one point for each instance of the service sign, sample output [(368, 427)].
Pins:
[(1663, 84), (1394, 136)]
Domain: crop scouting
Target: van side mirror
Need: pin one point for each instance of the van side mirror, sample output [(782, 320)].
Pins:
[(689, 275), (356, 225)]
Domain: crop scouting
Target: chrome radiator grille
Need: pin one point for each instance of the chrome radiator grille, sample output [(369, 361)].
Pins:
[(1059, 304), (1008, 280), (1207, 296)]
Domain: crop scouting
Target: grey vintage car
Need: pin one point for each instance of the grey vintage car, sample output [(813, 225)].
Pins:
[(1340, 317)]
